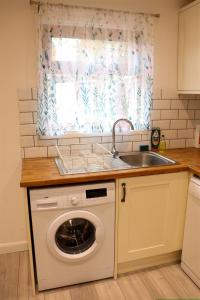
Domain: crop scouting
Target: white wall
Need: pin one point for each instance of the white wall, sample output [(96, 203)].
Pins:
[(18, 70)]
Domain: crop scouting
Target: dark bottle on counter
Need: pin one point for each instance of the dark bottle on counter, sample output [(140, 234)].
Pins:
[(155, 138)]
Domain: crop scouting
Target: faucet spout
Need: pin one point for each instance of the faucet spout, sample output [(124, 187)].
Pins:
[(114, 151)]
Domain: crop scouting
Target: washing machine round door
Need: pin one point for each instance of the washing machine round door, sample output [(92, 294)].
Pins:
[(75, 235)]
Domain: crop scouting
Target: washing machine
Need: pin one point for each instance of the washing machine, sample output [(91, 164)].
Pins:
[(73, 233)]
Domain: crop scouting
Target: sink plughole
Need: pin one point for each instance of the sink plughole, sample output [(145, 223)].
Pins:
[(146, 159)]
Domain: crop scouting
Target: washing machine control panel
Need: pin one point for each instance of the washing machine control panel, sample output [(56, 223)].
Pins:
[(72, 196)]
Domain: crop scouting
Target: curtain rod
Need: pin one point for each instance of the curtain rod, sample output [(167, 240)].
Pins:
[(35, 2)]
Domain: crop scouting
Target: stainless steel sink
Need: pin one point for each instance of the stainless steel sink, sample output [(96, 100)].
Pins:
[(145, 159)]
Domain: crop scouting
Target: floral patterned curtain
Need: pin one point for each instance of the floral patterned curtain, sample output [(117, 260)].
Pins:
[(95, 66)]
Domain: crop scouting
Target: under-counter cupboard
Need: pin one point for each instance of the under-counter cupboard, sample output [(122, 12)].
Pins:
[(189, 49), (151, 214)]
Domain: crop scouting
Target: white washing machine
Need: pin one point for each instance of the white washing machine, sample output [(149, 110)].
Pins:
[(73, 233)]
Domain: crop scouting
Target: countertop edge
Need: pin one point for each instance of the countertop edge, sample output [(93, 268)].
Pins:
[(102, 176)]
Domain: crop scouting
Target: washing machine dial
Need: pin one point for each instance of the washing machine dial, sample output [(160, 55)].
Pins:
[(74, 200)]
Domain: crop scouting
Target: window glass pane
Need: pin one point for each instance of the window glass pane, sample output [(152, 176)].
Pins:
[(88, 95), (73, 50), (64, 49), (66, 104)]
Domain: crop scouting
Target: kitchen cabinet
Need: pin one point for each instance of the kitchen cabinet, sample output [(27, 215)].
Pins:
[(189, 49), (151, 220)]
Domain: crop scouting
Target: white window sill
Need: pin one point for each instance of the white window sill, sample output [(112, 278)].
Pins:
[(79, 135)]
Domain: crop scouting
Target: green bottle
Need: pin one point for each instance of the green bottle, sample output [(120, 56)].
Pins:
[(162, 146)]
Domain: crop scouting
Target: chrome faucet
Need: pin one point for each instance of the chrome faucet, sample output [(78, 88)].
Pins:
[(114, 151)]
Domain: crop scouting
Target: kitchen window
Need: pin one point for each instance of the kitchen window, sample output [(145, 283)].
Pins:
[(95, 66)]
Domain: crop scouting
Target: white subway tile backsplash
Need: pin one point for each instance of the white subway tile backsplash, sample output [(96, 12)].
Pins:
[(155, 114), (146, 137), (170, 134), (52, 151), (28, 129), (189, 143), (90, 140), (108, 139), (163, 124), (136, 145), (77, 149), (145, 132), (194, 104), (28, 106), (129, 138), (127, 146), (81, 147), (34, 117), (179, 104), (124, 147), (107, 146), (186, 114), (197, 115), (26, 118), (178, 124), (167, 144), (161, 104), (192, 123), (169, 114), (99, 149), (24, 93), (44, 142), (186, 133), (63, 149), (187, 96), (177, 143), (27, 141), (68, 141), (35, 152)]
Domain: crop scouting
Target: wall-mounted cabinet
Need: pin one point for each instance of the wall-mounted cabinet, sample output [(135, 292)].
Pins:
[(189, 49), (151, 219)]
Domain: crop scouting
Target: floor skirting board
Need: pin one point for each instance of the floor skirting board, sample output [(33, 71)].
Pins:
[(13, 247), (149, 262)]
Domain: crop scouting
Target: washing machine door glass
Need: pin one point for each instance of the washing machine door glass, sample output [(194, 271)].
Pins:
[(75, 236)]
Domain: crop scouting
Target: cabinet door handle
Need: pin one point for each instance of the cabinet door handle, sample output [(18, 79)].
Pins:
[(124, 192)]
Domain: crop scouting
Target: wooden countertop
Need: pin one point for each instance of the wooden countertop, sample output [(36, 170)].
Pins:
[(43, 171)]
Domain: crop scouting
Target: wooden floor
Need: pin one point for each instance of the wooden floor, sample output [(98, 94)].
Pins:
[(167, 282)]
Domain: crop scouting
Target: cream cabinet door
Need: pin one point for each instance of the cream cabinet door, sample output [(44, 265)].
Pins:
[(189, 49), (151, 220)]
